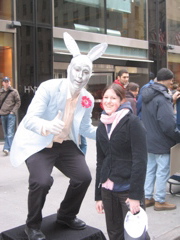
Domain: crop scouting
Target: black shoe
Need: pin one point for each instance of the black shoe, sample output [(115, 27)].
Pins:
[(74, 223), (34, 234)]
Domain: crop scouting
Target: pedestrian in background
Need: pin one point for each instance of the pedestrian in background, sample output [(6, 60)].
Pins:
[(9, 104), (132, 91), (121, 161), (162, 134), (122, 78), (139, 98)]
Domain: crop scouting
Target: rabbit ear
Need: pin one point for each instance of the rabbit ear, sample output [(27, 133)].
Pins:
[(97, 51), (71, 44)]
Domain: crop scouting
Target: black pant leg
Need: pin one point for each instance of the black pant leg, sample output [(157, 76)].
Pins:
[(70, 161), (40, 166), (74, 166), (115, 211)]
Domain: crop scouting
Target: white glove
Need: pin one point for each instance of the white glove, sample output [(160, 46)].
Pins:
[(54, 126)]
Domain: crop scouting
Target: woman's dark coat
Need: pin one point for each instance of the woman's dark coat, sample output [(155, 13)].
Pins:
[(123, 157)]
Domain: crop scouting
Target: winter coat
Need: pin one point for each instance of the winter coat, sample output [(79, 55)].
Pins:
[(139, 100), (123, 157), (159, 120), (130, 97), (11, 103)]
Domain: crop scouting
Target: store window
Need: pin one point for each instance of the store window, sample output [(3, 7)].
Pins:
[(174, 65), (152, 21), (6, 9), (157, 34), (34, 61), (25, 10), (6, 55), (162, 22), (44, 11), (173, 22), (125, 18), (34, 48), (83, 15), (44, 54)]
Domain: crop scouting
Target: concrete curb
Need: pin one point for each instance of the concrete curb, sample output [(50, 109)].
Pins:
[(174, 234)]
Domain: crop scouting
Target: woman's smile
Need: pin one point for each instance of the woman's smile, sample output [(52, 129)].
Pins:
[(111, 101)]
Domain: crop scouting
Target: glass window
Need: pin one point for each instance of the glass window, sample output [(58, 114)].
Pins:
[(157, 53), (26, 72), (6, 9), (152, 20), (34, 40), (162, 21), (174, 65), (157, 21), (26, 56), (6, 55), (65, 19), (87, 13), (173, 22), (24, 10), (126, 18), (83, 15), (76, 16), (34, 61), (44, 56), (44, 11)]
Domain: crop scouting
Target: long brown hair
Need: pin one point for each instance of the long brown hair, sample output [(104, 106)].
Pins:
[(132, 86)]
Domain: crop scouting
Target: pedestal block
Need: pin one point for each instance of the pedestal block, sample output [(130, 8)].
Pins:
[(54, 231)]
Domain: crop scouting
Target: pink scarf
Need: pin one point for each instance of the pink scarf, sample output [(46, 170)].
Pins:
[(113, 119)]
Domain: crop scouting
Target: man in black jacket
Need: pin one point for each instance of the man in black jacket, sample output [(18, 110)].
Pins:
[(162, 134)]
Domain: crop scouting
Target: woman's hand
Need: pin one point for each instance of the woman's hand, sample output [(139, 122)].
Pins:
[(99, 207), (134, 205)]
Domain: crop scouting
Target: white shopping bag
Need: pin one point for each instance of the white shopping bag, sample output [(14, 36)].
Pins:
[(135, 226)]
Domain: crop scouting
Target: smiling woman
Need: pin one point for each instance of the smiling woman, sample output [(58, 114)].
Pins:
[(112, 99), (121, 161)]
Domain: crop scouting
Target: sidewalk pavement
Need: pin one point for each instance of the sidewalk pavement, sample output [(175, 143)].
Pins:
[(163, 225)]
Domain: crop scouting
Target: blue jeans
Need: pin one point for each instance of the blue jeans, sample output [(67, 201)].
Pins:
[(8, 126), (157, 174)]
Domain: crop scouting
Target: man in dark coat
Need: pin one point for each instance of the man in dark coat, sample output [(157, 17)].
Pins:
[(162, 134)]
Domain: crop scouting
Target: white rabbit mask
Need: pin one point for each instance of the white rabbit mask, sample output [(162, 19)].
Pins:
[(80, 68)]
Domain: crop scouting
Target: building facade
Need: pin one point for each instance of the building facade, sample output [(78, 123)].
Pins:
[(142, 36)]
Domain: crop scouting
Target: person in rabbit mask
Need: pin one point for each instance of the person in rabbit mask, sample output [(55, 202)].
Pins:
[(48, 136)]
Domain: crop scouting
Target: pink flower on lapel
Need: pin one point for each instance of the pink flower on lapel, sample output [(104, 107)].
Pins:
[(86, 102)]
